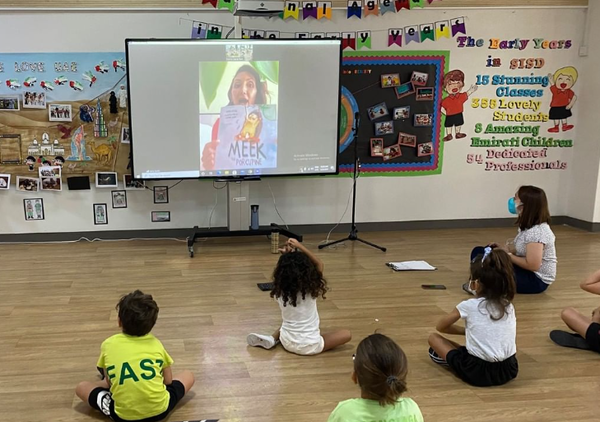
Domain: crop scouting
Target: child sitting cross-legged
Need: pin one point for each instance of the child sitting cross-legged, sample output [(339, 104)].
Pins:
[(138, 384)]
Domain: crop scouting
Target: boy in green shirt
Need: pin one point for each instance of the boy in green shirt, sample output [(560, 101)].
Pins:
[(138, 383)]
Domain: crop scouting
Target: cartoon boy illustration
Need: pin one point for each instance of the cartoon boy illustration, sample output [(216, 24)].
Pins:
[(452, 105), (563, 97)]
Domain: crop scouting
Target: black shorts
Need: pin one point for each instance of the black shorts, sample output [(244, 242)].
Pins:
[(481, 373), (559, 113), (101, 399), (454, 120), (592, 336)]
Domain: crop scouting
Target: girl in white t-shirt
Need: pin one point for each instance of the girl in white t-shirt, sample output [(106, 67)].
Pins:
[(489, 357), (297, 283)]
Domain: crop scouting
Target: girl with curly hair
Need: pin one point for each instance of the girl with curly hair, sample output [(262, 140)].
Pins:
[(297, 283)]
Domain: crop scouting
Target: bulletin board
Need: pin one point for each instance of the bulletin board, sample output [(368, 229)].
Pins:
[(63, 109), (398, 97)]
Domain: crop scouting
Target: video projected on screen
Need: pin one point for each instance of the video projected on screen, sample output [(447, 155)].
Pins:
[(233, 108), (238, 102)]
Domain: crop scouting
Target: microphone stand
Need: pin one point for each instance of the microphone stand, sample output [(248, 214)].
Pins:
[(354, 230)]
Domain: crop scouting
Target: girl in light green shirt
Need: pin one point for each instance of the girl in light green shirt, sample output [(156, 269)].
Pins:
[(380, 369)]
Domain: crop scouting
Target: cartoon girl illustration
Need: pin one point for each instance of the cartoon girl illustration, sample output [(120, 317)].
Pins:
[(563, 97), (453, 104)]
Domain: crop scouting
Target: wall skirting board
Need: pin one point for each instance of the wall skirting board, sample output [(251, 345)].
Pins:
[(300, 229)]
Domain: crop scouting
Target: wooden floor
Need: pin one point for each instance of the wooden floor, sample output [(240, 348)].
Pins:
[(57, 306)]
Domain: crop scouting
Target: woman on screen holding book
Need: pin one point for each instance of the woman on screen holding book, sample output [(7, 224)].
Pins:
[(532, 251), (246, 89)]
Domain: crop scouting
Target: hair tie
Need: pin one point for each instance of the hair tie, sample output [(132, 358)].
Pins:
[(391, 379), (487, 251)]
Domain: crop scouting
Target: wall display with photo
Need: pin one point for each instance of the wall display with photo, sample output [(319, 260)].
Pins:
[(51, 183), (390, 80), (160, 216), (34, 209), (32, 99), (131, 184), (376, 147), (28, 184), (100, 214), (119, 199), (4, 181), (125, 135), (107, 180), (362, 79), (60, 113), (425, 149), (161, 194), (377, 111), (76, 99), (9, 103)]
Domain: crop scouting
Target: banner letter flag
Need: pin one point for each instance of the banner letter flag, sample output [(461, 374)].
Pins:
[(309, 9), (349, 40), (354, 8), (458, 26), (213, 3), (395, 36), (257, 34), (302, 35), (324, 10), (427, 32), (442, 29), (371, 7), (214, 32), (333, 35), (363, 39), (402, 4), (386, 6), (199, 30), (245, 34), (317, 35), (291, 10), (417, 3), (226, 4), (411, 33), (272, 34)]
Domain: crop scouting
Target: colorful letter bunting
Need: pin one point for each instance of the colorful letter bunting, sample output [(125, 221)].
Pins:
[(199, 30), (395, 36), (427, 32), (402, 4), (214, 32), (386, 6), (458, 26), (417, 3), (363, 40), (309, 9), (226, 4), (291, 10), (354, 8), (411, 33), (442, 29), (371, 7), (349, 40), (213, 3), (324, 10)]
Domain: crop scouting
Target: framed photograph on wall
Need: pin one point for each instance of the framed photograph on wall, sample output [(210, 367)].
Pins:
[(4, 181), (34, 209), (425, 149), (33, 99), (161, 216), (119, 198), (425, 94), (161, 194), (60, 113), (100, 214), (107, 179), (9, 103), (131, 184)]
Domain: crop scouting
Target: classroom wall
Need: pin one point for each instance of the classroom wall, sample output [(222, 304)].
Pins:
[(462, 191)]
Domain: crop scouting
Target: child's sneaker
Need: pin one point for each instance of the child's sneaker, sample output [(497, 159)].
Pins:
[(434, 357), (467, 289), (258, 340)]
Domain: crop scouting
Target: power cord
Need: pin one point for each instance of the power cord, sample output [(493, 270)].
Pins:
[(275, 205), (340, 221), (96, 239)]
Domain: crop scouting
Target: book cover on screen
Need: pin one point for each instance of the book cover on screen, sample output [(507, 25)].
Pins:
[(247, 137)]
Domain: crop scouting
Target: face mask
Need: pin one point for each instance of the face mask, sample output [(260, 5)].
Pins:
[(512, 206)]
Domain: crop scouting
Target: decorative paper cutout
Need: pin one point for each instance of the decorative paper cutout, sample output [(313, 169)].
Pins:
[(214, 32), (213, 3), (272, 34), (199, 30), (402, 4), (354, 8), (324, 10), (226, 4), (395, 36), (302, 35), (333, 35), (417, 3)]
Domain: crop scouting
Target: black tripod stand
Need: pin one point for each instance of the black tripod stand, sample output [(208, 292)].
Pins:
[(354, 231)]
